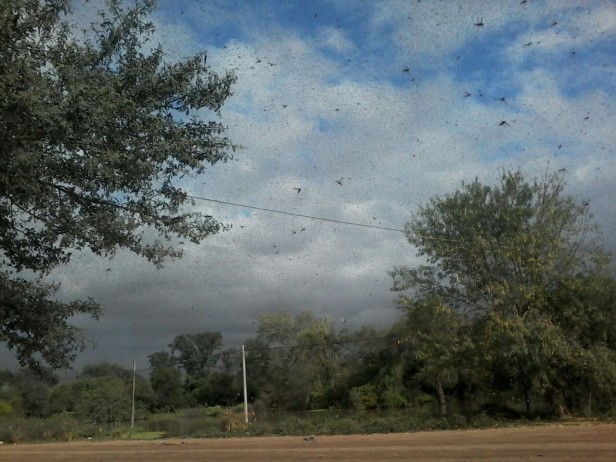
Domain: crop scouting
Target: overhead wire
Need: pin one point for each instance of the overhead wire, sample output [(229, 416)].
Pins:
[(330, 220), (294, 214)]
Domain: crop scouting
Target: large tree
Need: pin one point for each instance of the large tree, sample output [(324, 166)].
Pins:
[(96, 131), (521, 260), (499, 247)]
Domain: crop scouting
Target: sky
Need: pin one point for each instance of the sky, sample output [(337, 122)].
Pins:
[(371, 108)]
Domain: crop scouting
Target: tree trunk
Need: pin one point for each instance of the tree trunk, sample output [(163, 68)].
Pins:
[(442, 404), (557, 403), (526, 397), (461, 395)]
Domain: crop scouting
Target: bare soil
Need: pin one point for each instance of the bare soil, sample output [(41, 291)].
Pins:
[(588, 442)]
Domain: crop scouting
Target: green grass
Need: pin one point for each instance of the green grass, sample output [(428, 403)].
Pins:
[(142, 435)]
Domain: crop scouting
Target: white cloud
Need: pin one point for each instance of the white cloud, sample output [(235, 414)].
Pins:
[(336, 40), (306, 120)]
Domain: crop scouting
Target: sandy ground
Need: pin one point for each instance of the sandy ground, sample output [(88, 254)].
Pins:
[(589, 442)]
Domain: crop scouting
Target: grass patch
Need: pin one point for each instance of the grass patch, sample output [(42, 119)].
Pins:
[(142, 435)]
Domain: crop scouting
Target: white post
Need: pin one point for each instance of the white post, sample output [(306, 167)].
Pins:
[(245, 389), (132, 414)]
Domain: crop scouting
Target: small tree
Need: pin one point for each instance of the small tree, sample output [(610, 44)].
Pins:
[(439, 341), (168, 389), (104, 401), (294, 358)]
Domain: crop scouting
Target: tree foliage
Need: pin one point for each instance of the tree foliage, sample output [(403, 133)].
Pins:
[(499, 247), (439, 343), (96, 132), (168, 388), (104, 401), (294, 359), (197, 353), (519, 264), (27, 391), (102, 393)]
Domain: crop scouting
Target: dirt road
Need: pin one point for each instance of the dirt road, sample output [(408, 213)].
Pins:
[(577, 443)]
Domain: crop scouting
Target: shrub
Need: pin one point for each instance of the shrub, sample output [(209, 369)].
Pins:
[(364, 397), (293, 426), (232, 421), (212, 411), (483, 420), (344, 426), (393, 399), (6, 408)]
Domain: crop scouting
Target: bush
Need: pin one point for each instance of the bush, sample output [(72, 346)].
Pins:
[(393, 399), (6, 408), (105, 402), (260, 429), (483, 420), (12, 431), (293, 426), (212, 411), (344, 426), (61, 427), (364, 397), (232, 421)]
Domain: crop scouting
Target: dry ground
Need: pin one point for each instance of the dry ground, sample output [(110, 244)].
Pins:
[(589, 442)]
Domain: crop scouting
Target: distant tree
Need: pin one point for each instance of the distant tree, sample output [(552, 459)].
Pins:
[(197, 353), (168, 388), (217, 388), (28, 391), (144, 394), (293, 360), (366, 362), (104, 401), (98, 382), (106, 369), (162, 359), (95, 134), (63, 398)]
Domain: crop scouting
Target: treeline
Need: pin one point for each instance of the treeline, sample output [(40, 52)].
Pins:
[(511, 311), (430, 358)]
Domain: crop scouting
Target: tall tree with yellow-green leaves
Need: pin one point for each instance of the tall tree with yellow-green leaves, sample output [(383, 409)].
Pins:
[(516, 261)]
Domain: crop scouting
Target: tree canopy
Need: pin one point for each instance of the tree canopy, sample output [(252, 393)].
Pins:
[(499, 247), (517, 269), (96, 132)]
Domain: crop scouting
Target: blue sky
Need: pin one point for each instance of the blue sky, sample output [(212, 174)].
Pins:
[(403, 100)]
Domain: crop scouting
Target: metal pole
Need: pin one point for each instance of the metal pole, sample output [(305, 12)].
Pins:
[(245, 389), (132, 414)]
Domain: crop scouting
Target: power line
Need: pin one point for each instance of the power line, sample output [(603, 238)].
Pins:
[(293, 214), (319, 344), (330, 220)]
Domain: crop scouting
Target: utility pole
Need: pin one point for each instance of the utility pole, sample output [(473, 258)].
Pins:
[(245, 389), (132, 414)]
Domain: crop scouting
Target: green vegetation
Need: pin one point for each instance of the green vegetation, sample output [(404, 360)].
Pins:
[(97, 129), (511, 315), (512, 318), (515, 275)]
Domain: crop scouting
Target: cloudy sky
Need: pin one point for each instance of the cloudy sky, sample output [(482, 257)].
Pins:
[(371, 108)]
